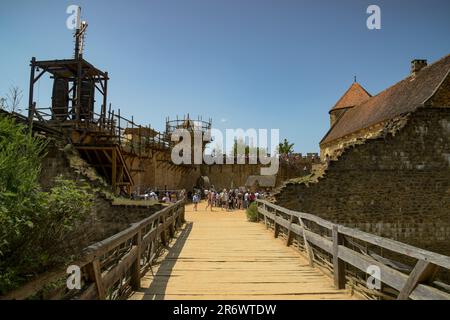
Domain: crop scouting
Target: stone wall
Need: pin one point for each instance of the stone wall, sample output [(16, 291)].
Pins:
[(105, 219), (158, 172), (226, 175), (397, 186)]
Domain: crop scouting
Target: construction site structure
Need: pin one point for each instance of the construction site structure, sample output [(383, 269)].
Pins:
[(80, 112)]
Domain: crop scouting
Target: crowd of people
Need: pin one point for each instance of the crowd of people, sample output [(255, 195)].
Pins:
[(165, 196), (228, 200)]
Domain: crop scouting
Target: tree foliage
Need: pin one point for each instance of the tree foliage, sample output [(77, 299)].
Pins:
[(285, 147), (33, 224), (252, 212)]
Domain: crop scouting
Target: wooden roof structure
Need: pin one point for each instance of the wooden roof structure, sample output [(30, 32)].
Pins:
[(402, 98), (354, 96)]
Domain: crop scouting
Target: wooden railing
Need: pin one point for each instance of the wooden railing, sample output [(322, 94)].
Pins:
[(112, 125), (348, 255), (112, 268)]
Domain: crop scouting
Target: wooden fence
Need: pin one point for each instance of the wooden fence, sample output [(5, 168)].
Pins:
[(112, 268), (348, 255)]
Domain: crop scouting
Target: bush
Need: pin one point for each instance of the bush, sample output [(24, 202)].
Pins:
[(33, 224), (252, 212)]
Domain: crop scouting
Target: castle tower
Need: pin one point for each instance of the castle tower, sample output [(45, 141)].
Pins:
[(197, 127), (355, 95)]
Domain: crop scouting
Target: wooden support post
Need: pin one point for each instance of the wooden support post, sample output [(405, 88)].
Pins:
[(183, 220), (289, 234), (30, 101), (95, 274), (338, 264), (114, 170), (78, 93), (163, 232), (308, 248), (423, 271), (172, 227), (118, 125), (136, 268), (276, 227), (105, 101)]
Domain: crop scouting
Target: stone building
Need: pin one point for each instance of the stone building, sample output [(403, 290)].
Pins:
[(389, 161), (358, 116)]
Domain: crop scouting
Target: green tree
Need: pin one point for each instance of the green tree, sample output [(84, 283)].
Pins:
[(285, 147), (33, 224)]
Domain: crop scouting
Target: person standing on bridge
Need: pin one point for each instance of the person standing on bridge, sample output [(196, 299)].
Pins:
[(210, 199), (195, 200)]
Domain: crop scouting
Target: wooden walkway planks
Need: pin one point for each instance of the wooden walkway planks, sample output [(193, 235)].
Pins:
[(219, 255)]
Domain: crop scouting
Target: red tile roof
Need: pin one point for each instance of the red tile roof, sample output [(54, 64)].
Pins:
[(354, 96), (403, 97)]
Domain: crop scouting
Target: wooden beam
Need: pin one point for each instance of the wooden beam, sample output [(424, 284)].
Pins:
[(136, 267), (289, 234), (307, 245), (107, 155), (276, 226), (338, 264), (423, 271), (95, 273), (114, 170)]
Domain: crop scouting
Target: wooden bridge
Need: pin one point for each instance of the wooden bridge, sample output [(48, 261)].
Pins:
[(181, 254), (219, 255)]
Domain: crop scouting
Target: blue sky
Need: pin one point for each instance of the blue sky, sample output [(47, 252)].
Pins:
[(244, 63)]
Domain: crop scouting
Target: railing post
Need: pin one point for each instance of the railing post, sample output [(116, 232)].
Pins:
[(172, 224), (265, 216), (182, 211), (338, 264), (95, 274), (136, 267), (289, 235), (276, 227), (163, 232)]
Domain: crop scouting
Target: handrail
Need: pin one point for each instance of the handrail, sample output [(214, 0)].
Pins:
[(111, 267), (328, 245)]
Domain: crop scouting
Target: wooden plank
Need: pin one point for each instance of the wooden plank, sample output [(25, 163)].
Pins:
[(307, 245), (119, 270), (389, 276), (424, 271), (276, 227), (219, 255), (338, 264), (289, 235), (307, 216), (136, 267), (162, 232), (397, 246), (96, 268), (114, 170)]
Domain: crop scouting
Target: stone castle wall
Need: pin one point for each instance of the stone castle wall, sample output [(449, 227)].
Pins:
[(105, 218), (397, 186), (157, 172)]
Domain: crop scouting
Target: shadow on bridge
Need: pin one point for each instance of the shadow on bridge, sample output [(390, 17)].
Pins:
[(159, 281)]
